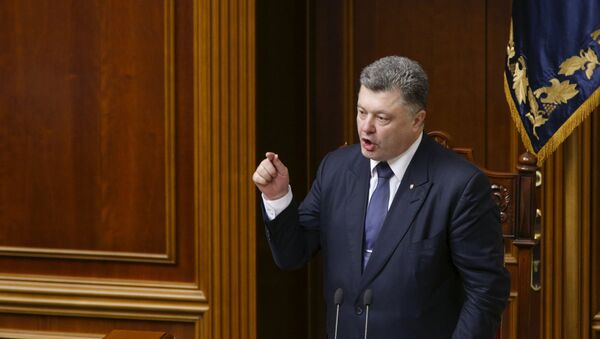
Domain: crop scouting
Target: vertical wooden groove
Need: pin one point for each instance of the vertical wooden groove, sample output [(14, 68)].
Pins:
[(572, 234), (215, 225), (566, 238), (235, 115), (223, 158), (250, 151), (586, 207), (226, 92), (557, 249), (577, 234), (202, 158), (547, 246), (594, 307), (169, 55), (553, 244), (348, 104)]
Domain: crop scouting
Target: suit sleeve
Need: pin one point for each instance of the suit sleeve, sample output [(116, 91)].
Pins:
[(478, 253), (294, 235)]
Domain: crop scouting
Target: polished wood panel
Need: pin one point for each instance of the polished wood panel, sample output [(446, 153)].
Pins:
[(165, 128), (500, 131), (126, 151), (88, 129)]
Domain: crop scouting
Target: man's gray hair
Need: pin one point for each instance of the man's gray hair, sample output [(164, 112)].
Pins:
[(398, 73)]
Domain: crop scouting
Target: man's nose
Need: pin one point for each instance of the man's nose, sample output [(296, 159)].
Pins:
[(368, 125)]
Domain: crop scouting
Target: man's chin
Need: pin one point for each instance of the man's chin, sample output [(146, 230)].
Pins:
[(373, 155)]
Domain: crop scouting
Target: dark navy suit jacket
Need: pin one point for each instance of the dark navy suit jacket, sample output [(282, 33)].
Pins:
[(436, 270)]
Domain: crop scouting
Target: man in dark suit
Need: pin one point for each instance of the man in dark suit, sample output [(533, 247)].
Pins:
[(398, 215)]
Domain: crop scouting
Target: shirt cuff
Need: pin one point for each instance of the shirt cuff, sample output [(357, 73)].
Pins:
[(274, 207)]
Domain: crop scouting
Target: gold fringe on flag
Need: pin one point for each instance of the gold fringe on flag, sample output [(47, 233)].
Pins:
[(582, 112)]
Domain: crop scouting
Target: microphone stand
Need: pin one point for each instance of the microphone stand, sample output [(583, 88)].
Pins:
[(337, 300), (367, 300)]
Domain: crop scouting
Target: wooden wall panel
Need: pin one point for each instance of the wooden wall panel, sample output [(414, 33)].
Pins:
[(87, 125), (127, 130), (88, 121), (500, 130)]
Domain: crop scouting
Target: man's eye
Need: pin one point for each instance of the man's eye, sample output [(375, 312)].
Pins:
[(383, 119)]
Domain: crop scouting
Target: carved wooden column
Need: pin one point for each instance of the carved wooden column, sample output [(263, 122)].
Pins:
[(225, 98)]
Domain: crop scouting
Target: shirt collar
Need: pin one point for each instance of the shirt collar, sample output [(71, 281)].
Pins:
[(400, 163)]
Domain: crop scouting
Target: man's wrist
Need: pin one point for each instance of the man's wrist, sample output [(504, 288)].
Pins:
[(275, 206)]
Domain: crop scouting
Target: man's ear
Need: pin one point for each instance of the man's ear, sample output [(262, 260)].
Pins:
[(419, 119)]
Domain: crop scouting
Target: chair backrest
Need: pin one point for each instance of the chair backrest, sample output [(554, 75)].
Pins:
[(514, 193)]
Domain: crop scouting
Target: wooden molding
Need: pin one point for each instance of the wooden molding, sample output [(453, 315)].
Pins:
[(35, 252), (104, 300), (22, 334)]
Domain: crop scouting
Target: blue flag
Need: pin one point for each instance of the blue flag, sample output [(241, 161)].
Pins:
[(552, 71)]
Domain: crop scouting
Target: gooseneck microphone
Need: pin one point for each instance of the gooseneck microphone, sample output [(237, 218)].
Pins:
[(338, 297), (367, 300)]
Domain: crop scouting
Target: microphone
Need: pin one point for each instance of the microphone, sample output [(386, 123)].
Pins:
[(337, 300), (367, 300)]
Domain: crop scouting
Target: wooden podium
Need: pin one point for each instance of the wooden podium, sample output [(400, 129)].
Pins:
[(124, 334)]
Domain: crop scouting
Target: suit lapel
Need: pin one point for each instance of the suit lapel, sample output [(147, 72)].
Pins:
[(356, 206), (409, 198)]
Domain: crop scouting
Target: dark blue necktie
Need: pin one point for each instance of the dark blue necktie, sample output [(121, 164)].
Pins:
[(377, 209)]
